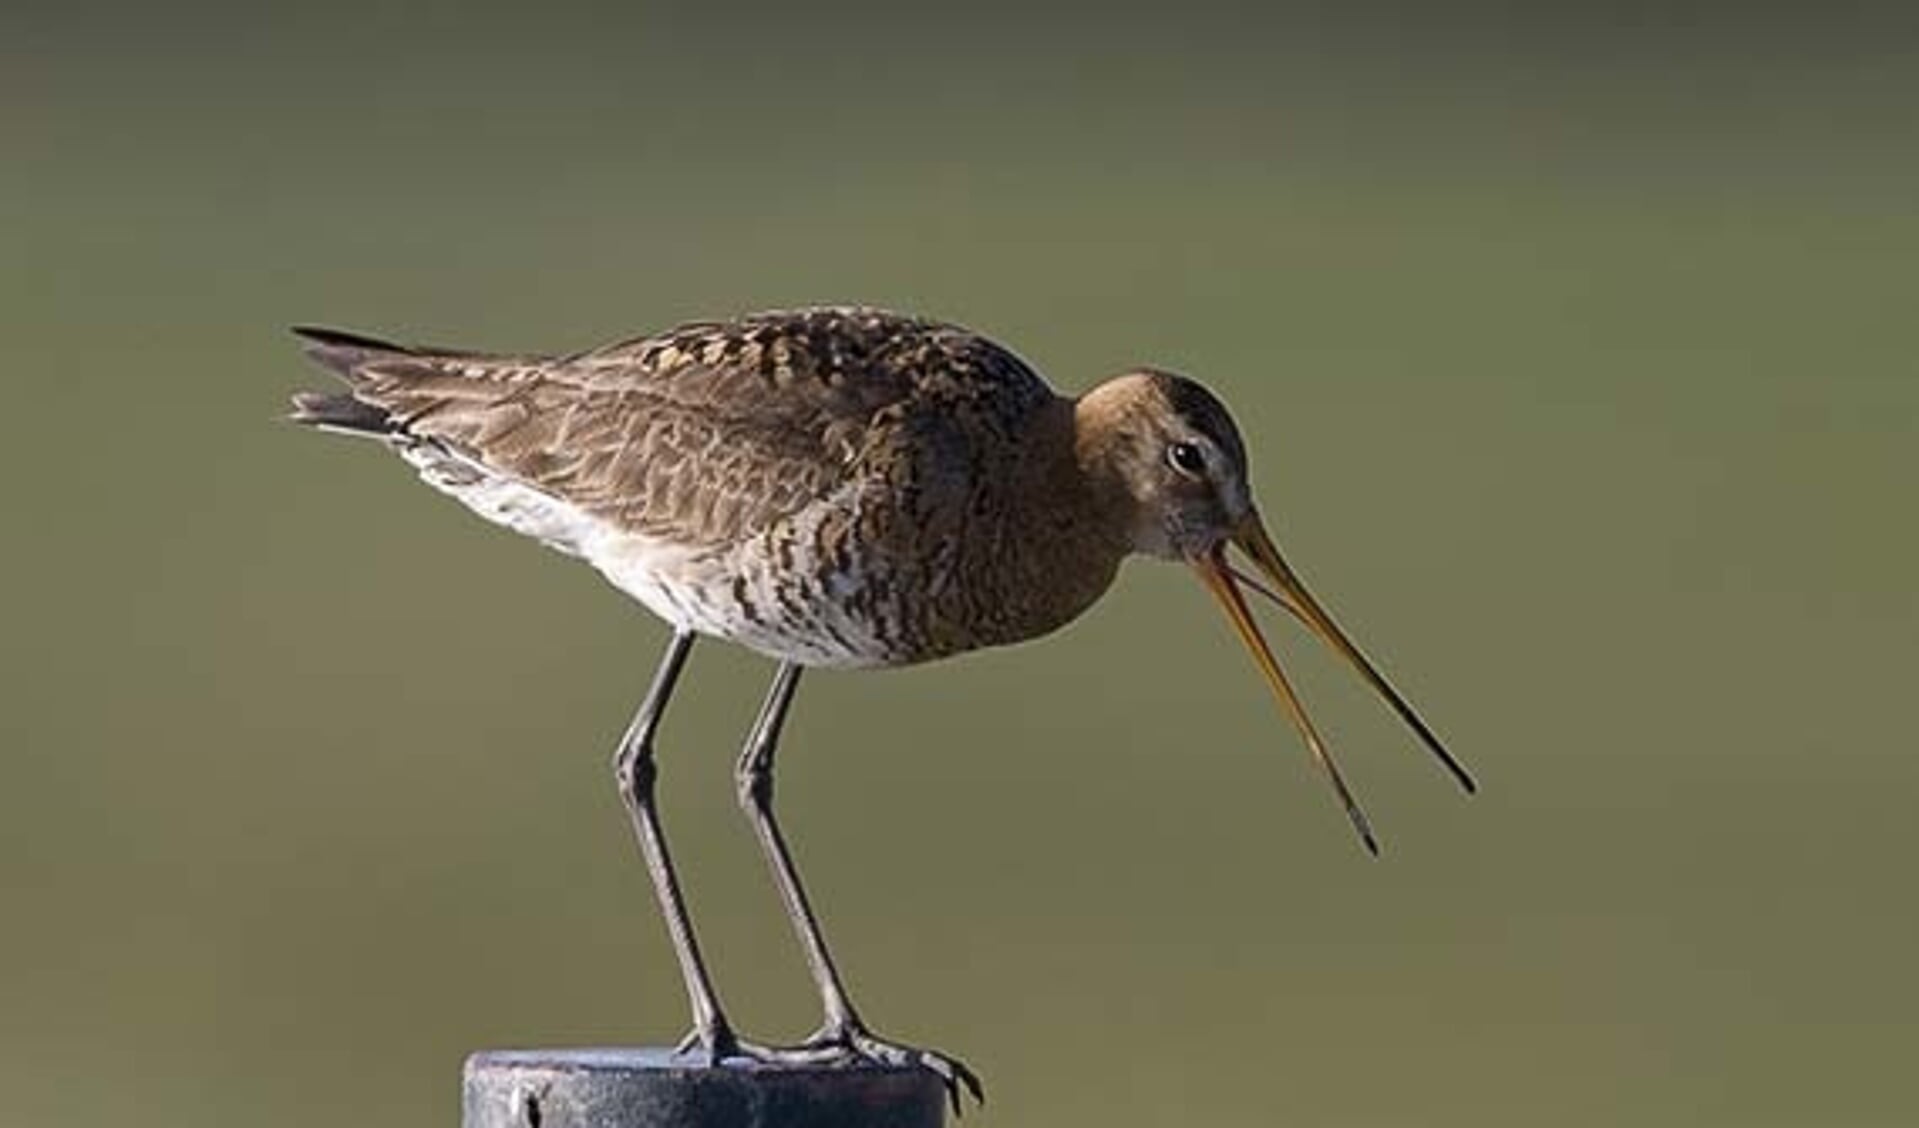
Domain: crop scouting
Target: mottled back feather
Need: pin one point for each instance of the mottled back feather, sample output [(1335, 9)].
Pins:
[(707, 434)]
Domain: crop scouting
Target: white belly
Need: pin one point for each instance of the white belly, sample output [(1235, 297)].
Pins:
[(728, 594)]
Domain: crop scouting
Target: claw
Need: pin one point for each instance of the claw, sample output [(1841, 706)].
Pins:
[(953, 1073)]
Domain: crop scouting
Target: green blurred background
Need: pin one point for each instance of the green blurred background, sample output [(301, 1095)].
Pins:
[(1576, 351)]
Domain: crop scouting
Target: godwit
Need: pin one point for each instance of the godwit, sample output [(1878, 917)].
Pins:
[(830, 487)]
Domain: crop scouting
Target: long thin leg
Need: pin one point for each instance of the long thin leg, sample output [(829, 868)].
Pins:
[(842, 1029), (635, 771), (754, 777)]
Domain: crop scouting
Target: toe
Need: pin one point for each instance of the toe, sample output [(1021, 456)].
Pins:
[(952, 1073)]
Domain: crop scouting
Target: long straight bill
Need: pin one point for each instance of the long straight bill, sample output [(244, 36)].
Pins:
[(1289, 593), (1218, 578)]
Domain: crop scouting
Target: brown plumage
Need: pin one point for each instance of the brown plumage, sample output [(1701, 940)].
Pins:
[(708, 434), (839, 487), (830, 487)]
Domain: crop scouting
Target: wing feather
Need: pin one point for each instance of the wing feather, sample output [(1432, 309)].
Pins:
[(706, 434)]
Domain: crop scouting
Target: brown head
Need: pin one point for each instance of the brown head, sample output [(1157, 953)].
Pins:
[(1168, 465)]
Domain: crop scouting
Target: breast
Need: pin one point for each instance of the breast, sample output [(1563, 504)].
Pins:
[(935, 547)]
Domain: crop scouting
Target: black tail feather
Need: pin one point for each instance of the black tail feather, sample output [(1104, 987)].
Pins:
[(321, 335), (339, 411), (341, 352)]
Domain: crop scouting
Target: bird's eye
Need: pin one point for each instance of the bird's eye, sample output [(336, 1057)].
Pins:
[(1186, 458)]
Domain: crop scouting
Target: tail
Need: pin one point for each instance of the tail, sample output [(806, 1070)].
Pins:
[(400, 393), (344, 354)]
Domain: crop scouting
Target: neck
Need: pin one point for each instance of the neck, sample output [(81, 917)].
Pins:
[(1053, 550), (1101, 441)]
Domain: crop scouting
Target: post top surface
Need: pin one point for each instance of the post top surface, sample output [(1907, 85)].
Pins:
[(656, 1087), (654, 1059)]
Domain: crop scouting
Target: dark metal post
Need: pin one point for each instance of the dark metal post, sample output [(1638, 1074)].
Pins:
[(656, 1088)]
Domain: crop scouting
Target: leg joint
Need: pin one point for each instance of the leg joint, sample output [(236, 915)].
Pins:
[(634, 769), (753, 783)]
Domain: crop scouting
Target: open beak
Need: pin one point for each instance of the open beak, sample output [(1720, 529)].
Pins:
[(1285, 589)]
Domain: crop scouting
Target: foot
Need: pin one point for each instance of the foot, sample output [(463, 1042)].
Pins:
[(847, 1044), (852, 1042), (720, 1045)]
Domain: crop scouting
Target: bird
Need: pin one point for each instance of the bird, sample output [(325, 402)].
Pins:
[(833, 487)]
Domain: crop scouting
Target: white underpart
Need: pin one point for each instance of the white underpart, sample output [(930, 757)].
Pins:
[(503, 500), (690, 590)]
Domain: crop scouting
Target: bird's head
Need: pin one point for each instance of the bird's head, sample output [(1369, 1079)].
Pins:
[(1171, 460), (1170, 465)]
